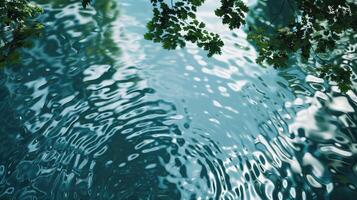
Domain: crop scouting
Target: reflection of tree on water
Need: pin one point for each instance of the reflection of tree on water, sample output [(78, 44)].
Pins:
[(317, 158), (319, 34)]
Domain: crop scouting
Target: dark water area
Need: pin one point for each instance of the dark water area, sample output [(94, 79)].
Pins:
[(94, 111)]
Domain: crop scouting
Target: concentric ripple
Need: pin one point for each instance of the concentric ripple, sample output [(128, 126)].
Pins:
[(94, 111)]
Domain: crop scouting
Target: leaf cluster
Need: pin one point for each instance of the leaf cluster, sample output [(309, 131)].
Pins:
[(17, 23), (175, 24), (317, 27), (86, 3)]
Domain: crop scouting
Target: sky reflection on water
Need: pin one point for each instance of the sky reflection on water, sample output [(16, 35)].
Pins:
[(96, 112)]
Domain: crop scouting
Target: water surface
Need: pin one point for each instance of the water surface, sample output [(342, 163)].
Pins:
[(93, 111)]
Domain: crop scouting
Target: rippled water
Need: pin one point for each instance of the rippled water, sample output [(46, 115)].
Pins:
[(95, 112)]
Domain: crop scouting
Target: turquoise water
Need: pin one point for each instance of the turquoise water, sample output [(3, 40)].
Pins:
[(94, 111)]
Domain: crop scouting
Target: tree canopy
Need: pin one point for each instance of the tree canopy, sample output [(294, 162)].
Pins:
[(317, 30), (17, 23), (320, 33), (175, 24)]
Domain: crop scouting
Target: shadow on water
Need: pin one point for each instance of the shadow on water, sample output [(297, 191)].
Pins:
[(95, 112)]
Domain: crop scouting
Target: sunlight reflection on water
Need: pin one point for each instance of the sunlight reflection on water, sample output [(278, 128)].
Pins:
[(96, 112)]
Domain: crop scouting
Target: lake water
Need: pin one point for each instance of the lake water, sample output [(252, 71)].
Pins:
[(94, 111)]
